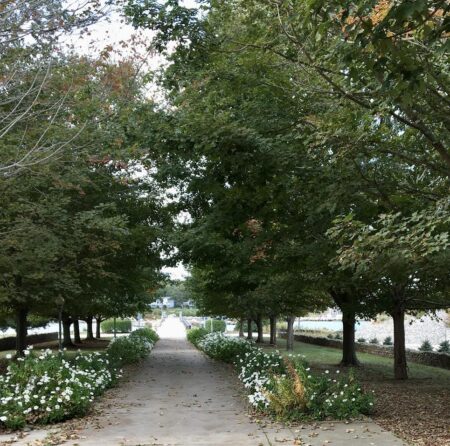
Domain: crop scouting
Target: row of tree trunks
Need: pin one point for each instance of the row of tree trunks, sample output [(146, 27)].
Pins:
[(67, 322)]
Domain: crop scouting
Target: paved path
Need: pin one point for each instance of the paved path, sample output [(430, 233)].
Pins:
[(180, 397)]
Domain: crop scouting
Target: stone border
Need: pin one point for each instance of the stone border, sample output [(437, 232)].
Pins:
[(9, 343), (433, 359)]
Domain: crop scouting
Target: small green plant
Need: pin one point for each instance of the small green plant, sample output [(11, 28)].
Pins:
[(330, 336), (337, 336), (387, 341), (426, 346), (194, 335), (444, 347), (374, 341), (361, 340), (122, 326)]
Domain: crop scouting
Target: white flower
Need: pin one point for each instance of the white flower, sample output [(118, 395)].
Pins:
[(8, 356)]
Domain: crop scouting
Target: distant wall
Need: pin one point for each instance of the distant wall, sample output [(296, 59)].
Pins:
[(434, 359), (9, 343)]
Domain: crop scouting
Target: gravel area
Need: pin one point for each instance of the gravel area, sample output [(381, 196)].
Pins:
[(417, 330)]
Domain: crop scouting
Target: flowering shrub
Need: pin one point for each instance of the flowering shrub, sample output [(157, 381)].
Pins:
[(218, 346), (46, 387), (146, 333), (285, 386), (129, 349)]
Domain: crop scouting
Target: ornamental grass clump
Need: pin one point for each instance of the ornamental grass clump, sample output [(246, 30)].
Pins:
[(46, 387)]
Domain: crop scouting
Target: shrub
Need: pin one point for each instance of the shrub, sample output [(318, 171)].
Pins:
[(284, 386), (337, 336), (387, 341), (299, 395), (147, 333), (129, 349), (122, 326), (189, 312), (217, 325), (444, 347), (219, 346), (374, 341), (47, 387), (362, 340), (194, 335), (426, 346), (330, 336)]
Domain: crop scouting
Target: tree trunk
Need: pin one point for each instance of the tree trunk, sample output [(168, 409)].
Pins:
[(400, 366), (241, 327), (90, 333), (66, 323), (290, 333), (273, 330), (76, 331), (249, 329), (259, 324), (348, 343), (98, 320), (21, 330)]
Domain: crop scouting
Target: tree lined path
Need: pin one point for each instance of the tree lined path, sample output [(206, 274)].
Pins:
[(178, 396)]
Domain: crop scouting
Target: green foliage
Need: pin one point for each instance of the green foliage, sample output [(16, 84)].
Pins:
[(444, 347), (212, 325), (122, 326), (387, 341), (147, 333), (338, 336), (361, 340), (374, 341), (426, 346), (194, 335)]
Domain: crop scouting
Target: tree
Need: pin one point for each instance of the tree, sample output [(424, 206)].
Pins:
[(405, 258)]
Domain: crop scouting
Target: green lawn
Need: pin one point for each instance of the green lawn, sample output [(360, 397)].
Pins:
[(323, 357)]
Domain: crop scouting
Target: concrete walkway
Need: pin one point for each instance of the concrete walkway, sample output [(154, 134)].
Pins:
[(178, 396)]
